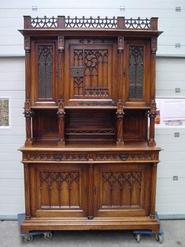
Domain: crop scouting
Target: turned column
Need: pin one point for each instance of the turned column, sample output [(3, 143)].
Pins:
[(120, 114), (28, 115), (61, 115), (152, 115)]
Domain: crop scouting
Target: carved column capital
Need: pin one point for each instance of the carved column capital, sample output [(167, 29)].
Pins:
[(60, 112), (27, 109), (120, 44), (60, 43), (27, 44), (120, 112), (153, 45), (152, 111)]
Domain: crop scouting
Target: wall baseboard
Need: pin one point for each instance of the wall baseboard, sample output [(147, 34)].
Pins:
[(161, 217)]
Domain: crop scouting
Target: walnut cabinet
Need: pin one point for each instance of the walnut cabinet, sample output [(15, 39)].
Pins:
[(90, 157)]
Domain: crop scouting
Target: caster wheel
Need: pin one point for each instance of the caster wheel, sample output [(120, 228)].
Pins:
[(138, 238), (28, 238), (159, 237), (48, 235)]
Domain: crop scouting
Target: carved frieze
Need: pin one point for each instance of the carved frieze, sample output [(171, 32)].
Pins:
[(89, 156)]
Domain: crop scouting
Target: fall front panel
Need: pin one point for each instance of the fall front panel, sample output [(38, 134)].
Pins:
[(122, 190), (58, 190)]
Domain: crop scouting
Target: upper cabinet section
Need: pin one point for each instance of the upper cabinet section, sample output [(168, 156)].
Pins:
[(90, 61)]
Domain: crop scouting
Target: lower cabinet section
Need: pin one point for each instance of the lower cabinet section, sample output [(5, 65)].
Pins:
[(90, 196)]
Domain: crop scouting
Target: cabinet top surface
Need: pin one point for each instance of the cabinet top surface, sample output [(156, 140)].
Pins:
[(142, 146)]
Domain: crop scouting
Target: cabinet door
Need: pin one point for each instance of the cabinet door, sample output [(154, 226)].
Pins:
[(122, 190), (43, 76), (137, 68), (58, 190)]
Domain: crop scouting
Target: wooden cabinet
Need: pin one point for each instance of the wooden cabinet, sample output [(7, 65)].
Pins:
[(90, 158)]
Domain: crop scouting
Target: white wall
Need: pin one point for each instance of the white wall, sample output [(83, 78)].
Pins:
[(170, 74), (170, 21)]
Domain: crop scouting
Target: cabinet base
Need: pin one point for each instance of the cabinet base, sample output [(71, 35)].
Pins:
[(126, 223)]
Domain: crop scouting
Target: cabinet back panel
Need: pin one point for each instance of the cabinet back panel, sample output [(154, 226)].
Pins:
[(90, 125), (135, 125), (45, 125)]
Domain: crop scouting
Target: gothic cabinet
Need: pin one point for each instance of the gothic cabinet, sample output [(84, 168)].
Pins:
[(90, 157)]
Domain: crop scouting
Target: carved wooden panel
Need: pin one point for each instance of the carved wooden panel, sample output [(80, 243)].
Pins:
[(122, 187), (60, 189), (89, 74)]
